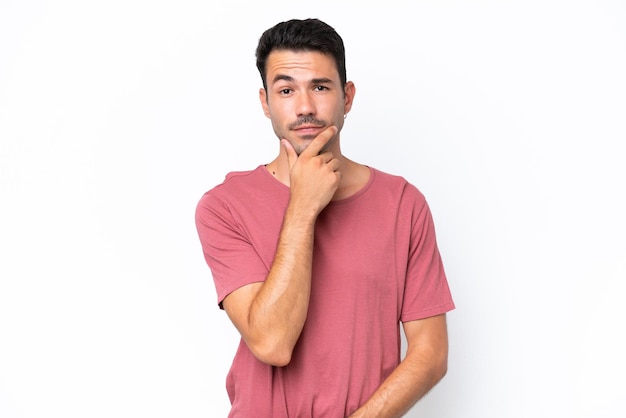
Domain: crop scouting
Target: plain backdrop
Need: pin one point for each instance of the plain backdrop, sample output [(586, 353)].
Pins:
[(116, 116)]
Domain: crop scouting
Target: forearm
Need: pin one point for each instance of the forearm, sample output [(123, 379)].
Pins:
[(408, 383), (424, 365), (270, 315), (278, 312)]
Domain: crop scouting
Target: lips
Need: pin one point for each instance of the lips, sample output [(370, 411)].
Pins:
[(308, 129)]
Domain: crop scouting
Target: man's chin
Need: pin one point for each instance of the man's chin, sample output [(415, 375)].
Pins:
[(301, 144)]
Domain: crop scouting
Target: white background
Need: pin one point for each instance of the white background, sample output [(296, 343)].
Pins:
[(116, 116)]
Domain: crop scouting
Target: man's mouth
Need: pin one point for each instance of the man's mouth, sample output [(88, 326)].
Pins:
[(307, 122), (307, 128), (308, 131)]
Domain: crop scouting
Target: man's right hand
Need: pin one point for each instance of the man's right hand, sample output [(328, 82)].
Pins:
[(313, 176)]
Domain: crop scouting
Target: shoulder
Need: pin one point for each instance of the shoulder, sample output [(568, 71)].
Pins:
[(235, 185), (395, 186), (218, 199), (237, 180), (242, 194)]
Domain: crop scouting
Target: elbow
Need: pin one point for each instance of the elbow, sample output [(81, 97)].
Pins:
[(432, 364), (272, 354), (442, 368), (279, 361), (275, 359), (439, 367)]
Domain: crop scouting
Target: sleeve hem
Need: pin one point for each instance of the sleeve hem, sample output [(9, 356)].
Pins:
[(221, 295), (427, 313)]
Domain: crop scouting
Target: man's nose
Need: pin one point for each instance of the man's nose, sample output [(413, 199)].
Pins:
[(305, 104)]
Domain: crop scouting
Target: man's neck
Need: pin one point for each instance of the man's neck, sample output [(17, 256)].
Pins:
[(354, 176)]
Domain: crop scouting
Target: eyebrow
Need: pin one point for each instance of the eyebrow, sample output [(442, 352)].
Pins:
[(288, 78), (322, 81), (282, 77)]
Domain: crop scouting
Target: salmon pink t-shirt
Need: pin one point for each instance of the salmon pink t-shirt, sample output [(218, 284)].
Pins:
[(375, 264)]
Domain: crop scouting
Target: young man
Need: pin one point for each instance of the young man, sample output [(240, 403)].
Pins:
[(318, 259)]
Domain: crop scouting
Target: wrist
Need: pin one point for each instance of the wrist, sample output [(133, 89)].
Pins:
[(301, 214)]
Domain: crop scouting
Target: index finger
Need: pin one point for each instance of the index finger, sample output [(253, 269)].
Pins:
[(321, 141)]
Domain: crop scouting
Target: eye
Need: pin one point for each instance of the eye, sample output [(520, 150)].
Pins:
[(284, 91), (320, 88)]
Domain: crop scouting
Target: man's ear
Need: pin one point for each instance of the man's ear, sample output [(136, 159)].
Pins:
[(348, 93), (263, 99)]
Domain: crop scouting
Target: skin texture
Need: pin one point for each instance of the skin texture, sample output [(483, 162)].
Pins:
[(306, 104), (424, 365), (270, 315), (302, 98)]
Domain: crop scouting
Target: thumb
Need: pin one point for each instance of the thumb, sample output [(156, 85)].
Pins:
[(292, 156)]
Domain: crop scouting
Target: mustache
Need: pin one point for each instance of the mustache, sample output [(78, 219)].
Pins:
[(306, 120)]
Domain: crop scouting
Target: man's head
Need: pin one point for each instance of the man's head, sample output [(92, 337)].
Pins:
[(302, 64), (301, 35)]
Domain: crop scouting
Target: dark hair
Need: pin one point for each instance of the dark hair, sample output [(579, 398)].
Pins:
[(302, 35)]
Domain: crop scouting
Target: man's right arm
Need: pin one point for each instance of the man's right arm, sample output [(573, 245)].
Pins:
[(270, 315)]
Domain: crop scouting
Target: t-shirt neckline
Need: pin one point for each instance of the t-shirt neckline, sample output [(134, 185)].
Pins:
[(343, 201)]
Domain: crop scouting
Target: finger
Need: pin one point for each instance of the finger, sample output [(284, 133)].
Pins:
[(292, 156), (334, 164), (320, 141), (326, 156)]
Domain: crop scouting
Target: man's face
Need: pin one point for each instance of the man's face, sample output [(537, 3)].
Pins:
[(304, 95)]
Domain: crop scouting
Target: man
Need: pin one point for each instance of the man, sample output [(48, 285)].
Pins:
[(317, 259)]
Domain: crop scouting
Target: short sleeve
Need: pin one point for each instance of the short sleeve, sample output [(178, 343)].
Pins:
[(426, 287), (232, 258)]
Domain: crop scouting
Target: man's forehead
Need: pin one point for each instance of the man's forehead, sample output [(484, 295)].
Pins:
[(284, 64)]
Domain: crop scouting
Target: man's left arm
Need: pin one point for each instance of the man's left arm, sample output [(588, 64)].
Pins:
[(424, 365)]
